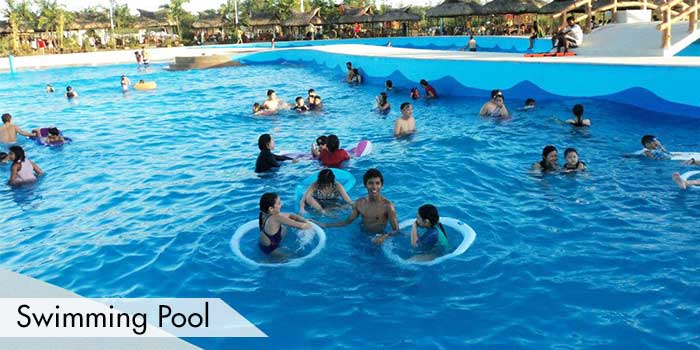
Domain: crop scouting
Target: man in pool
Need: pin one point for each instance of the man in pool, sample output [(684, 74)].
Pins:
[(406, 124), (273, 103), (653, 148), (350, 72), (375, 209), (9, 131), (495, 107)]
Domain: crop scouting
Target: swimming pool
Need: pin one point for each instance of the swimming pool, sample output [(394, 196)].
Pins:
[(144, 203)]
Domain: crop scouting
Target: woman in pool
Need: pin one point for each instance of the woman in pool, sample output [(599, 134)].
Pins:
[(321, 144), (333, 157), (23, 170), (272, 223), (549, 160), (434, 239), (572, 161), (578, 113), (495, 107), (415, 94), (266, 160), (383, 104), (324, 191)]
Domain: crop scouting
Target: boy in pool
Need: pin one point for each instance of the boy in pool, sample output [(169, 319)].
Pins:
[(434, 239), (572, 162), (653, 148), (578, 112), (54, 136), (70, 93), (300, 106), (317, 105), (375, 209), (529, 104)]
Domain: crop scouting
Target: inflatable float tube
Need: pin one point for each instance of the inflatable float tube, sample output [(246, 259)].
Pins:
[(688, 174), (44, 134), (148, 85), (682, 156), (551, 54), (342, 176), (361, 149), (468, 237), (252, 226)]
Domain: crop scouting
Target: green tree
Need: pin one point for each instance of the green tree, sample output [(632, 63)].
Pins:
[(51, 14), (177, 13)]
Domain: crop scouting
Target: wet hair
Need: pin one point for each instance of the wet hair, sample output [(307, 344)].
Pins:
[(389, 84), (404, 105), (270, 92), (578, 110), (530, 102), (317, 97), (547, 150), (311, 90), (256, 106), (299, 98), (325, 178), (372, 173), (6, 117), (430, 212), (69, 88), (263, 141), (3, 156), (267, 200), (647, 139), (569, 150), (356, 71), (383, 98), (496, 92), (321, 140), (415, 93), (471, 37), (348, 64), (54, 131), (423, 82), (19, 153), (333, 143)]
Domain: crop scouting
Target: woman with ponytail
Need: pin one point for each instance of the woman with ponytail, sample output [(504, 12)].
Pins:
[(434, 235), (272, 222)]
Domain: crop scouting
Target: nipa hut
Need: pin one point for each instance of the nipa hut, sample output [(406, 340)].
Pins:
[(303, 23), (396, 20)]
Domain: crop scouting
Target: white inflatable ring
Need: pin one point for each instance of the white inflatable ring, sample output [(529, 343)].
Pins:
[(252, 226), (468, 237)]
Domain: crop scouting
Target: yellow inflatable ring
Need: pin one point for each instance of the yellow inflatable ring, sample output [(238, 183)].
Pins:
[(148, 85)]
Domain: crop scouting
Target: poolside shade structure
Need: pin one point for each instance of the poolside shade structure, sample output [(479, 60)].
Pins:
[(303, 19), (454, 8), (209, 27), (557, 6), (514, 7), (5, 27), (154, 20), (83, 22), (264, 20), (397, 15), (350, 15)]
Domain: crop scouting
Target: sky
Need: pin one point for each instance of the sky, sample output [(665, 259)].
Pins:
[(200, 5)]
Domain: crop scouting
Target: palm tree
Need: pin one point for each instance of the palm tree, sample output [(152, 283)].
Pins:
[(123, 17), (20, 16), (176, 12)]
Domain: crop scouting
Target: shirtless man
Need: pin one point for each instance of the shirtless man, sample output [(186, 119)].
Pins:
[(9, 131), (272, 103), (406, 124), (494, 107), (350, 72), (375, 209)]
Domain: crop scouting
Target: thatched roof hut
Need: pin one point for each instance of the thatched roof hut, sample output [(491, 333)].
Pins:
[(5, 27), (349, 15), (150, 19), (86, 22), (263, 19), (397, 15), (303, 19), (501, 7), (454, 8), (204, 23)]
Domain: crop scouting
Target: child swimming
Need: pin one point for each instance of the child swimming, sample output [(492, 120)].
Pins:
[(578, 113), (23, 170), (300, 106), (653, 148), (572, 162), (434, 239), (54, 136)]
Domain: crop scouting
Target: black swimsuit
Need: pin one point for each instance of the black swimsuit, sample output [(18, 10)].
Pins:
[(275, 239)]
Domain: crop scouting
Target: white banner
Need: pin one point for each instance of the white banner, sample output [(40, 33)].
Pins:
[(122, 318)]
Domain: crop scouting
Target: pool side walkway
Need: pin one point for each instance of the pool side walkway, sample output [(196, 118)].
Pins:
[(15, 285)]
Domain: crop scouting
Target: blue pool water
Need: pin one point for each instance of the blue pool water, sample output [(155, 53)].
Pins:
[(145, 200)]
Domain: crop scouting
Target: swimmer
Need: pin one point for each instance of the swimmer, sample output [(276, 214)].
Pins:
[(572, 162), (356, 77), (310, 98), (383, 104), (389, 85), (376, 210), (415, 94), (578, 112), (406, 124), (472, 43), (273, 103), (494, 107), (266, 160), (257, 108), (684, 184), (653, 148), (70, 93), (321, 144), (54, 136), (434, 239), (324, 191), (333, 156), (23, 170), (529, 104), (317, 105), (49, 88), (549, 160), (125, 83), (348, 65), (271, 219), (300, 106), (429, 90), (9, 131)]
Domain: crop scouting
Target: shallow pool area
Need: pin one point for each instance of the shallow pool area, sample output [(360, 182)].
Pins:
[(145, 201)]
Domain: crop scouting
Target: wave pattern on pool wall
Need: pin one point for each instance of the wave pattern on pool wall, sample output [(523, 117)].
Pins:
[(630, 84)]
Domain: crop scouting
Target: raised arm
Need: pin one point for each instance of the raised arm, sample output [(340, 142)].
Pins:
[(295, 221), (414, 234)]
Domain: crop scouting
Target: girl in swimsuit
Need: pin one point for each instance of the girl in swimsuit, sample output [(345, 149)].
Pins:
[(23, 170), (549, 160), (325, 190), (434, 239), (272, 223), (572, 162)]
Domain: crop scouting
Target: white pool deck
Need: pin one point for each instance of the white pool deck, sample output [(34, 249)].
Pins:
[(15, 285)]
